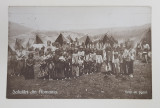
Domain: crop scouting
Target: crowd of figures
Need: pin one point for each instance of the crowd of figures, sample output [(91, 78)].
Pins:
[(57, 63)]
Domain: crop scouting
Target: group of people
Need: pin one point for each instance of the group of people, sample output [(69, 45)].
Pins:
[(143, 52), (57, 63)]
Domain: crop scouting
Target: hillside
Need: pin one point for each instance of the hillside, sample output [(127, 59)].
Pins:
[(121, 34), (15, 29)]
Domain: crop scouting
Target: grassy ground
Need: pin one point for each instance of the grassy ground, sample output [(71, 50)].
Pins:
[(93, 86)]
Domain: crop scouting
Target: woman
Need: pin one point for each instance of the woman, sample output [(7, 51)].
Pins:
[(29, 71), (20, 62), (62, 64), (13, 63)]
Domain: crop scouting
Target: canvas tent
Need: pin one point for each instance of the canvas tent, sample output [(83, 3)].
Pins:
[(29, 43), (70, 39), (38, 40), (113, 39), (105, 39), (61, 39)]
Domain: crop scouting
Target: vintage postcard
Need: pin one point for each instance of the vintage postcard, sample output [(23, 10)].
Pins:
[(79, 52)]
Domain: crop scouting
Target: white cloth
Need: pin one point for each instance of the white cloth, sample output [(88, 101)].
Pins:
[(81, 53), (132, 54), (99, 59), (146, 46), (80, 62), (51, 47), (62, 58), (20, 54), (93, 56), (104, 55), (87, 58), (74, 58)]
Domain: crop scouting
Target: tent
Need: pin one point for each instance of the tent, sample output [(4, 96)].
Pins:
[(113, 39), (105, 39), (38, 40), (70, 39), (29, 43), (60, 39)]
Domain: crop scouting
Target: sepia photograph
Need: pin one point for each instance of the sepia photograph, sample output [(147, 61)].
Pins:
[(79, 52)]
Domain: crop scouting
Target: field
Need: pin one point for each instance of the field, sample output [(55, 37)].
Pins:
[(93, 86)]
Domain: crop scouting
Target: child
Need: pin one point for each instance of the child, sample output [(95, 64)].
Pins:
[(29, 72), (116, 64)]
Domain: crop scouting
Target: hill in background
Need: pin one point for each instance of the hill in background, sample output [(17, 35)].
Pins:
[(135, 33)]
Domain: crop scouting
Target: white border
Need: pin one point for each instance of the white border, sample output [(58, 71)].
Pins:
[(71, 103)]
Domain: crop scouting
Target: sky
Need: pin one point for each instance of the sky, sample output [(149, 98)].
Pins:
[(69, 18)]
